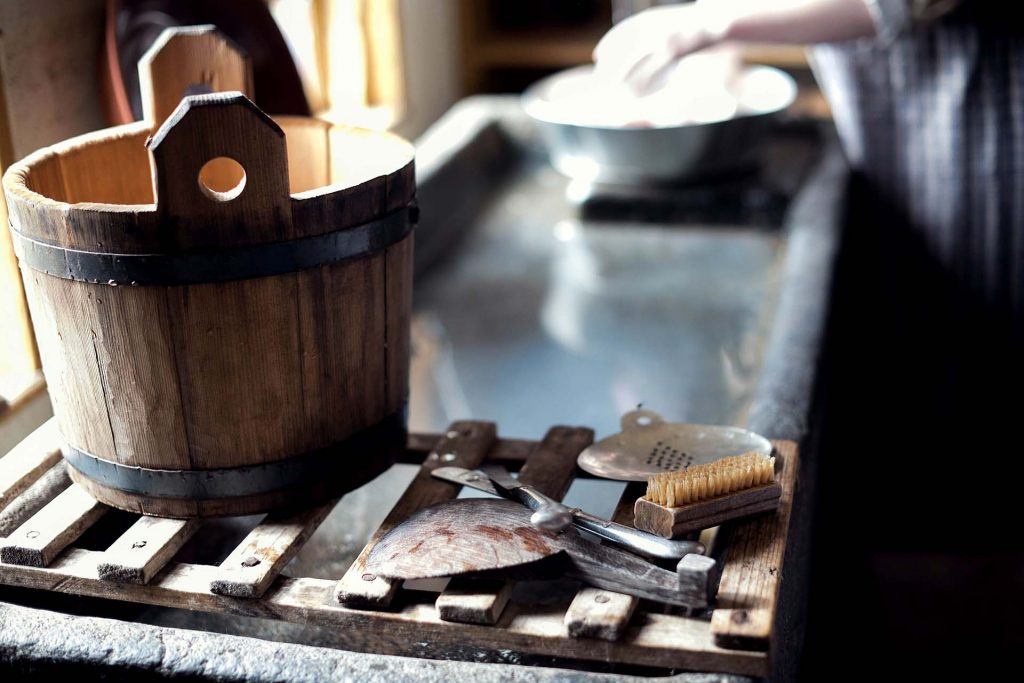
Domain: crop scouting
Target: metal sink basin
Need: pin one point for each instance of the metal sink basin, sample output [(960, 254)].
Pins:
[(530, 312)]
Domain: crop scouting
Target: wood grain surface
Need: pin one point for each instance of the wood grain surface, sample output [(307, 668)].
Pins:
[(28, 461), (748, 592), (598, 613), (53, 528), (143, 550), (33, 499), (252, 566)]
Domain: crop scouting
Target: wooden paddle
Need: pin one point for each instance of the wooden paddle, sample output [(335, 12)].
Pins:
[(471, 536)]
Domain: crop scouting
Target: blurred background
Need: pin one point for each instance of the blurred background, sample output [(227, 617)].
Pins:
[(67, 67)]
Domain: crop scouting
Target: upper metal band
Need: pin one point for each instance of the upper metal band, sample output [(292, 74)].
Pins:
[(233, 263), (338, 461)]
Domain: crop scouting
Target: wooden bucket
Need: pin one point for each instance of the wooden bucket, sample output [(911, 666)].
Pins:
[(217, 342)]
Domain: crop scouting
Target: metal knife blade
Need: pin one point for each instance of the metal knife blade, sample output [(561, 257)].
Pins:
[(548, 513), (500, 476), (460, 475)]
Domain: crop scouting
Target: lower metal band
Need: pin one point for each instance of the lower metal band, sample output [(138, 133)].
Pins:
[(378, 441)]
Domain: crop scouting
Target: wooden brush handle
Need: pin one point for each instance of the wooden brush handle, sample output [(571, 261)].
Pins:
[(676, 522)]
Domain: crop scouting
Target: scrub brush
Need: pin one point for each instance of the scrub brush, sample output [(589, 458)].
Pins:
[(705, 495), (708, 480)]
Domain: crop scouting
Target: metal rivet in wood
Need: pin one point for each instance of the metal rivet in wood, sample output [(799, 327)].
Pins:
[(144, 549)]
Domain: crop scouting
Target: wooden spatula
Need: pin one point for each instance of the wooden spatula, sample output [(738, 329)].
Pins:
[(473, 535)]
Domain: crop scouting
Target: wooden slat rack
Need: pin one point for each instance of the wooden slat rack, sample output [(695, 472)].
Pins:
[(140, 566)]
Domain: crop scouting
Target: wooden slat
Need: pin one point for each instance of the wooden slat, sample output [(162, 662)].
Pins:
[(250, 569), (27, 461), (511, 453), (20, 390), (466, 444), (413, 627), (596, 613), (550, 470), (474, 601), (748, 592), (308, 153), (658, 640), (49, 531), (145, 548), (34, 498)]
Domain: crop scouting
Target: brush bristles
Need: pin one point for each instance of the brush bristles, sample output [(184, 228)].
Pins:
[(700, 482)]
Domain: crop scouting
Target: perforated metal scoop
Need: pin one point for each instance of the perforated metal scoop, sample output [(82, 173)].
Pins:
[(648, 445)]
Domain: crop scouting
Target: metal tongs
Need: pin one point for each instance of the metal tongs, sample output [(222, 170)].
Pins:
[(551, 515)]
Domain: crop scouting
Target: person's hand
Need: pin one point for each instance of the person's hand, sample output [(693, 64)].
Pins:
[(639, 50)]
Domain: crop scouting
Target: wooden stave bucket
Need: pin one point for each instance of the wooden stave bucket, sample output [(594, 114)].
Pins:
[(263, 429)]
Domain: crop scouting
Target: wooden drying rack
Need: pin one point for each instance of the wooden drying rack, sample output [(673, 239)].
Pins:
[(467, 617)]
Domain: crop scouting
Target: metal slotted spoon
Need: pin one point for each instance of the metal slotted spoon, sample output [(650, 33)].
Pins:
[(648, 445)]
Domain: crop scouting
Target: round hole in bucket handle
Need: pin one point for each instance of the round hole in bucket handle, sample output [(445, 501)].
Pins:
[(221, 179)]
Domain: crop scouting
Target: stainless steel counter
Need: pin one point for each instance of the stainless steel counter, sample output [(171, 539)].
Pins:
[(539, 317)]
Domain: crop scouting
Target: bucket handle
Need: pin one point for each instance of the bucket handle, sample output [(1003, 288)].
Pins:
[(220, 169), (189, 60)]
